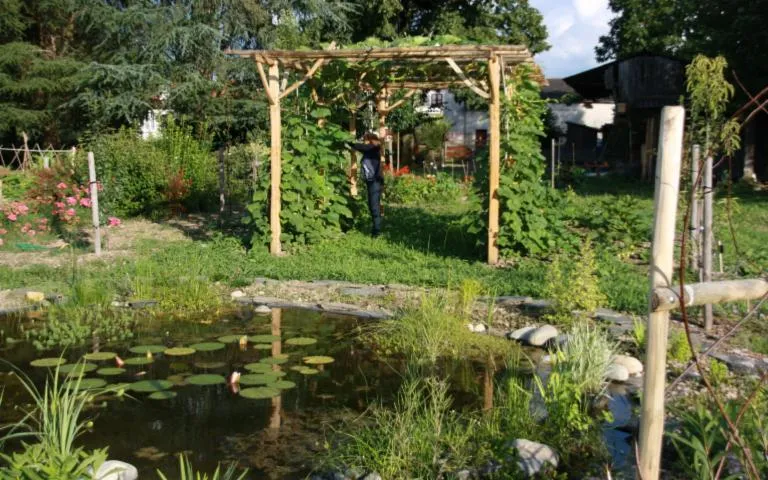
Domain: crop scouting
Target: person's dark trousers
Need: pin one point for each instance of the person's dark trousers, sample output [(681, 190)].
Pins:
[(374, 205)]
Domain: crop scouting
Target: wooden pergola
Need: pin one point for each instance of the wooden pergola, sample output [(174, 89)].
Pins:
[(496, 59)]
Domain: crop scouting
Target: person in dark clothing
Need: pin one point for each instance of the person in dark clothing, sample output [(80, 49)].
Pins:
[(371, 167)]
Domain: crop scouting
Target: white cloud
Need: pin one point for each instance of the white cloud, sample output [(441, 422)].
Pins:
[(575, 27)]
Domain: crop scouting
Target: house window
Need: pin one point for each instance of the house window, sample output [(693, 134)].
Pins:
[(436, 100)]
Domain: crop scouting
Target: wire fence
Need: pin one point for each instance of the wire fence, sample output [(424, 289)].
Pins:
[(23, 157)]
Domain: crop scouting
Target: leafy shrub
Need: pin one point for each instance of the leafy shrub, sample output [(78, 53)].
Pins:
[(71, 326), (585, 358), (415, 189), (678, 348), (141, 177), (639, 333), (315, 193), (620, 224), (573, 286), (16, 183)]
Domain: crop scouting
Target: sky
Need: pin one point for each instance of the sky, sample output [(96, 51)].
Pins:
[(574, 28)]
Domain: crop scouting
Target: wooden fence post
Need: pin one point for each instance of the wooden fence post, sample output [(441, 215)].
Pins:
[(94, 203), (662, 258), (494, 158), (275, 145), (707, 243)]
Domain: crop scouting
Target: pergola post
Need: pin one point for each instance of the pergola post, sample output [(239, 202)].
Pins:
[(275, 145), (382, 108), (494, 158), (353, 155)]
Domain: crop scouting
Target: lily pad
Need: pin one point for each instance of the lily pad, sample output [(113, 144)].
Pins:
[(301, 341), (110, 371), (233, 338), (86, 383), (256, 379), (147, 348), (258, 393), (77, 368), (210, 365), (48, 362), (309, 371), (318, 360), (205, 379), (277, 360), (263, 346), (276, 373), (179, 351), (178, 380), (258, 367), (208, 346), (151, 385), (263, 338), (179, 366), (282, 385), (162, 395), (139, 360), (99, 356)]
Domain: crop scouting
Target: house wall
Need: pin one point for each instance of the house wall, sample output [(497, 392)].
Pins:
[(594, 116), (463, 123)]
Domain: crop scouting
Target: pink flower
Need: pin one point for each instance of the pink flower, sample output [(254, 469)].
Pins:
[(11, 216), (71, 212), (85, 202), (59, 205), (43, 220), (114, 222), (31, 233), (71, 201), (1, 242), (21, 209), (61, 185), (3, 231)]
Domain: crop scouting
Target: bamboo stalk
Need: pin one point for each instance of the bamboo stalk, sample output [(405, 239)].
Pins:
[(662, 258)]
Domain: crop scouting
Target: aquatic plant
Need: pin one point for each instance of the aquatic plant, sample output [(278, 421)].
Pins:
[(73, 325), (585, 358), (187, 472)]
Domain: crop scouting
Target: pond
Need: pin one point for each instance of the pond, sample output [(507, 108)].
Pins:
[(311, 370)]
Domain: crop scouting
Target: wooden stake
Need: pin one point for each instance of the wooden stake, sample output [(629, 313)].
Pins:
[(694, 228), (662, 253), (222, 187), (275, 147), (353, 155), (707, 242), (94, 204), (494, 161), (383, 110)]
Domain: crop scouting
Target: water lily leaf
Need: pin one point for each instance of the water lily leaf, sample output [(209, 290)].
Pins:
[(301, 341), (264, 338), (110, 371), (147, 348), (276, 373), (179, 351), (210, 365), (309, 371), (318, 360), (77, 368), (282, 385), (275, 360), (139, 361), (208, 346), (256, 379), (99, 356), (263, 346), (151, 385), (257, 393), (86, 383), (162, 395), (233, 338), (48, 362), (179, 366), (258, 367), (205, 379), (178, 380)]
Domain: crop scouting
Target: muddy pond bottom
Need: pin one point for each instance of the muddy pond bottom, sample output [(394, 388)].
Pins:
[(302, 375)]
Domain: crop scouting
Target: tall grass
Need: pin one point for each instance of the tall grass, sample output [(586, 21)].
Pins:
[(187, 472), (585, 357)]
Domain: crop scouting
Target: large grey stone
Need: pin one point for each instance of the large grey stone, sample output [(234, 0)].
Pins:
[(237, 294), (521, 333), (371, 476), (533, 456), (116, 470), (262, 310), (617, 373), (541, 335), (633, 365)]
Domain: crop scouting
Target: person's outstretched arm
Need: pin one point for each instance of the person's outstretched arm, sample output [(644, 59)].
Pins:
[(361, 147)]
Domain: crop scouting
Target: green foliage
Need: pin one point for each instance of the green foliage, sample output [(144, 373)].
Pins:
[(585, 358), (420, 437), (529, 222), (430, 331), (138, 175), (639, 333), (187, 472), (718, 372), (420, 190), (678, 348), (469, 291), (432, 134), (573, 286), (16, 183), (699, 443), (316, 203), (74, 325)]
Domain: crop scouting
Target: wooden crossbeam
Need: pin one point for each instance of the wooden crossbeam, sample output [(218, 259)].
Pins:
[(265, 83), (310, 73), (408, 95), (469, 83), (668, 298)]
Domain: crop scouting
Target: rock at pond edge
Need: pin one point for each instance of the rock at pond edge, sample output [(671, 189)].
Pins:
[(542, 335), (262, 309), (115, 470), (237, 294), (520, 334), (633, 365), (533, 456), (617, 373)]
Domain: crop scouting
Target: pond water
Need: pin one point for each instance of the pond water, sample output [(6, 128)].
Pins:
[(275, 437)]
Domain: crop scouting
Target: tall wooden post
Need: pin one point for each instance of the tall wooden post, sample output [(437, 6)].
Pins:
[(694, 228), (275, 158), (494, 161), (706, 249), (94, 190), (382, 108), (353, 155), (662, 253)]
